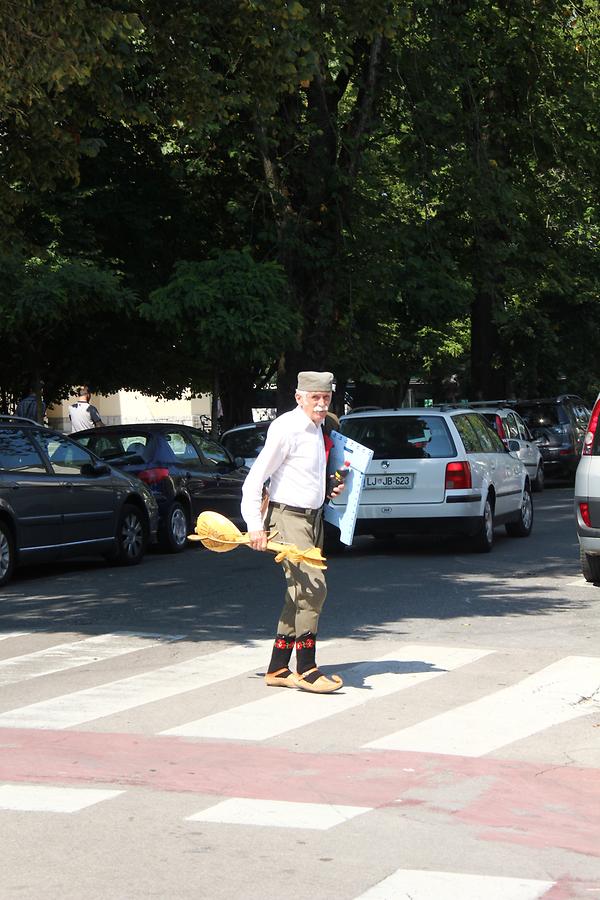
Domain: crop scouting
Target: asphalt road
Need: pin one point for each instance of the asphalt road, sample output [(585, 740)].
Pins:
[(142, 756)]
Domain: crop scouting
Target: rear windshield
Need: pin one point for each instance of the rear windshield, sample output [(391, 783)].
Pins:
[(402, 437), (247, 442), (540, 415)]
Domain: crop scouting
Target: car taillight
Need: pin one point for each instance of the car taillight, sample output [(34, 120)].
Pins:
[(151, 476), (500, 428), (591, 430), (458, 475), (584, 509)]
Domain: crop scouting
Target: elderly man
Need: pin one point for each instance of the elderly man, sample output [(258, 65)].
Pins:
[(294, 459)]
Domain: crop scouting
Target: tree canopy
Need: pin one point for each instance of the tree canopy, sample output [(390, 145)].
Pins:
[(383, 189)]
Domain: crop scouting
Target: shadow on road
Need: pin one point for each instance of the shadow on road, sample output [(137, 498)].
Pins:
[(373, 588)]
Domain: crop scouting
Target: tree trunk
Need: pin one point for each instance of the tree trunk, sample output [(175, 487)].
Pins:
[(487, 381), (237, 399)]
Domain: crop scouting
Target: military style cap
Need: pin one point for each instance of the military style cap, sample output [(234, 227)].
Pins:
[(315, 381)]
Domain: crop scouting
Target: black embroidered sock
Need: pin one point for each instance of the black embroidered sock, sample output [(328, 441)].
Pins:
[(282, 652), (306, 650)]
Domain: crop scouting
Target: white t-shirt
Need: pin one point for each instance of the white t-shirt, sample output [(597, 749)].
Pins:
[(294, 459), (83, 415)]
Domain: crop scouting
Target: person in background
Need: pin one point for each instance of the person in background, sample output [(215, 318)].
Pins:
[(28, 406), (82, 413), (294, 459)]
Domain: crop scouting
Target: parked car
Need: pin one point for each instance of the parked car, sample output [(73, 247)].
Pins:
[(58, 501), (512, 430), (185, 470), (587, 499), (438, 470), (246, 441), (558, 425)]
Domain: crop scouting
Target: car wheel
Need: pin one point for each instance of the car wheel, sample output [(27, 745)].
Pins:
[(483, 540), (174, 530), (522, 527), (131, 537), (538, 484), (7, 554), (590, 566)]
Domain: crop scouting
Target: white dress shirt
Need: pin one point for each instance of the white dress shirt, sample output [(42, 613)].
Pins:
[(294, 459)]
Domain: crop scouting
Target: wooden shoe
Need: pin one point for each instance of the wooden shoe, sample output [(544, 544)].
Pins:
[(321, 685), (278, 679)]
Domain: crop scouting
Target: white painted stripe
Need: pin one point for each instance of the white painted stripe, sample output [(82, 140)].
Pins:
[(278, 814), (285, 709), (38, 798), (421, 885), (62, 657), (13, 634), (556, 694), (116, 696)]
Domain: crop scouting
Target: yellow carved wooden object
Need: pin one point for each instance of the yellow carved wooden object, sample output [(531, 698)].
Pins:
[(218, 533)]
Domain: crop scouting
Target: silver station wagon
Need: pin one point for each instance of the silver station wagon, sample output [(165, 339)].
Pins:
[(439, 471)]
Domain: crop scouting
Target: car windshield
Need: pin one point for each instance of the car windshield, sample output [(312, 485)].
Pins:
[(402, 437)]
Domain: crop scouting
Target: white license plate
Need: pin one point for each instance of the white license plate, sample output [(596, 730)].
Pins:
[(388, 481)]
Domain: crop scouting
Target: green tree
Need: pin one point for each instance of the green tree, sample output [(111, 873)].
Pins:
[(421, 172), (61, 73), (289, 91), (501, 149), (61, 324), (226, 317)]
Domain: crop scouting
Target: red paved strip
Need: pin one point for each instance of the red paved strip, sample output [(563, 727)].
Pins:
[(538, 806)]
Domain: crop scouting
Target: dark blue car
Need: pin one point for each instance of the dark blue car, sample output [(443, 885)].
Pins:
[(185, 470)]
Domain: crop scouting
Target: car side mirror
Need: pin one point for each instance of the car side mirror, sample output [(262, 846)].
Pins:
[(513, 447), (239, 461)]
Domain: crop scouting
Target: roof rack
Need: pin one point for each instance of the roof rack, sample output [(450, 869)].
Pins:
[(491, 402)]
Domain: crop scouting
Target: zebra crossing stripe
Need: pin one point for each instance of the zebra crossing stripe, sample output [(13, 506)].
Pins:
[(93, 703), (41, 798), (558, 693), (12, 634), (286, 710), (278, 813), (419, 884), (61, 657)]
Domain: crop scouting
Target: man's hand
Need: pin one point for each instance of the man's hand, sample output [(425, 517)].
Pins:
[(258, 540), (338, 489)]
